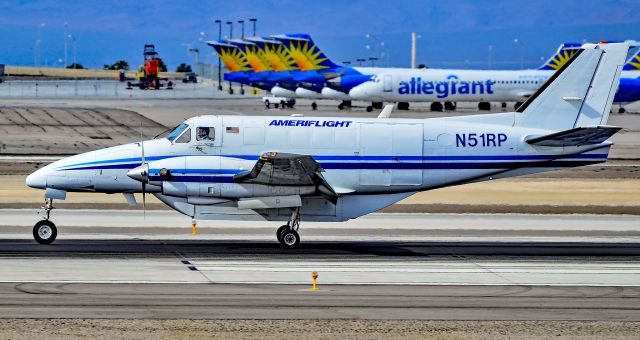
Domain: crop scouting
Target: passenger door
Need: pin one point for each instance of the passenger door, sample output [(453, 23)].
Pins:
[(388, 83)]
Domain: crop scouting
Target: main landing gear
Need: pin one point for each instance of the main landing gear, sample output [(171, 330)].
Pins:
[(45, 232), (288, 234)]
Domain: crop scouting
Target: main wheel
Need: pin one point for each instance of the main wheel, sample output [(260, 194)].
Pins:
[(280, 231), (622, 110), (436, 107), (45, 232), (290, 238), (369, 108), (314, 106)]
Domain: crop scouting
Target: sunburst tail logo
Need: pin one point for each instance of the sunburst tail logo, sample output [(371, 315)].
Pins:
[(254, 55), (564, 54), (231, 57), (633, 64), (276, 55), (304, 52)]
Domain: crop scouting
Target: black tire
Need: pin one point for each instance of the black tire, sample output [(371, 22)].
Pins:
[(449, 106), (267, 104), (622, 110), (369, 108), (314, 106), (484, 106), (377, 105), (403, 106), (283, 104), (45, 232), (341, 106), (503, 105), (279, 232), (290, 238), (436, 106)]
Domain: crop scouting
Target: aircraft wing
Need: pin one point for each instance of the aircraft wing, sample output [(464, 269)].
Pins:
[(286, 169)]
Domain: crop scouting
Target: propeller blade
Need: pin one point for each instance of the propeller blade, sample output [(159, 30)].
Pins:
[(144, 201)]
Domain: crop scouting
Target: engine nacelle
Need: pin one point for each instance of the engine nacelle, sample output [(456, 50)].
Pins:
[(232, 190)]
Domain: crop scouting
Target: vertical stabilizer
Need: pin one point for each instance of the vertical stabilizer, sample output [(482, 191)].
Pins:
[(580, 93)]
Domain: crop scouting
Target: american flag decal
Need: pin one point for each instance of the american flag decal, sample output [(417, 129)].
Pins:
[(233, 129)]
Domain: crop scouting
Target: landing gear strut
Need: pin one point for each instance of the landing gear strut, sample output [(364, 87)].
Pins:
[(44, 231), (288, 234)]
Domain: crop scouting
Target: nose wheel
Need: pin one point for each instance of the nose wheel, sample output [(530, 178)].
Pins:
[(287, 234), (45, 231)]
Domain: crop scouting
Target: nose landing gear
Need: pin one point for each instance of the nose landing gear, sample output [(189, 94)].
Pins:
[(288, 234), (45, 231)]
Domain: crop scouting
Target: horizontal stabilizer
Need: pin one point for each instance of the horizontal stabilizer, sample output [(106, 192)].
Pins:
[(576, 136)]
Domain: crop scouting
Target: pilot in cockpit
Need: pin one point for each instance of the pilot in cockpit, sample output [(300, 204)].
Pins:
[(203, 133)]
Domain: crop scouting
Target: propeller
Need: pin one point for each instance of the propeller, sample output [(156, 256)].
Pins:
[(144, 173)]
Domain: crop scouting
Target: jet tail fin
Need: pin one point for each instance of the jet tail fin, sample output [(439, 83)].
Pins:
[(576, 136), (305, 52), (633, 64), (562, 55), (231, 56), (578, 94)]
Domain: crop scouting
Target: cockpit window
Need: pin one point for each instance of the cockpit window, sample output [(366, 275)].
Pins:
[(205, 133), (177, 131), (185, 137)]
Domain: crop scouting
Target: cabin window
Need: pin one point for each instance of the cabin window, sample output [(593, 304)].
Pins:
[(205, 133), (185, 137)]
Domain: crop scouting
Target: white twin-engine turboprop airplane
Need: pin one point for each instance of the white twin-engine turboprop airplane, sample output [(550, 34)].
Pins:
[(328, 169)]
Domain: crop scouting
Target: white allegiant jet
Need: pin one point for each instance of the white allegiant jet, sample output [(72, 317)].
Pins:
[(336, 169)]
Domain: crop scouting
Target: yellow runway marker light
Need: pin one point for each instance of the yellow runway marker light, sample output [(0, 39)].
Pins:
[(314, 277), (194, 231)]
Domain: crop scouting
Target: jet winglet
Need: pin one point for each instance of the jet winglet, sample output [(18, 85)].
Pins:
[(576, 136)]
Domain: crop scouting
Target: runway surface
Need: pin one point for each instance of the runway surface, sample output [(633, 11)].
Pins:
[(114, 264)]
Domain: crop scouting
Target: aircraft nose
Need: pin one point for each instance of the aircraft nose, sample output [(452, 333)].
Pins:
[(37, 179)]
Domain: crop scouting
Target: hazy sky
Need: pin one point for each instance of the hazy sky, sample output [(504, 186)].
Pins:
[(453, 33)]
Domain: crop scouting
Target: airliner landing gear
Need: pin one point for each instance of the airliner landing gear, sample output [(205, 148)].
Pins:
[(344, 104), (45, 232), (450, 106), (369, 108), (436, 106), (377, 105), (314, 106), (484, 106), (622, 110), (288, 234), (403, 106)]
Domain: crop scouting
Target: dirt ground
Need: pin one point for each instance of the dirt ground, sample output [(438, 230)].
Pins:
[(312, 329)]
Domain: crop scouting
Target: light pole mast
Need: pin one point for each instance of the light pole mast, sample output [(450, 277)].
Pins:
[(219, 22), (66, 33), (253, 20)]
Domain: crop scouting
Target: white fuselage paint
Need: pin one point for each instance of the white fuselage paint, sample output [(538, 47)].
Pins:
[(371, 163)]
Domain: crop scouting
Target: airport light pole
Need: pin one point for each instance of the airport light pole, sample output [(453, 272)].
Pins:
[(75, 49), (414, 40), (38, 46), (360, 60), (346, 63), (66, 33), (253, 20), (230, 23), (241, 22), (519, 42), (373, 61), (219, 22)]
